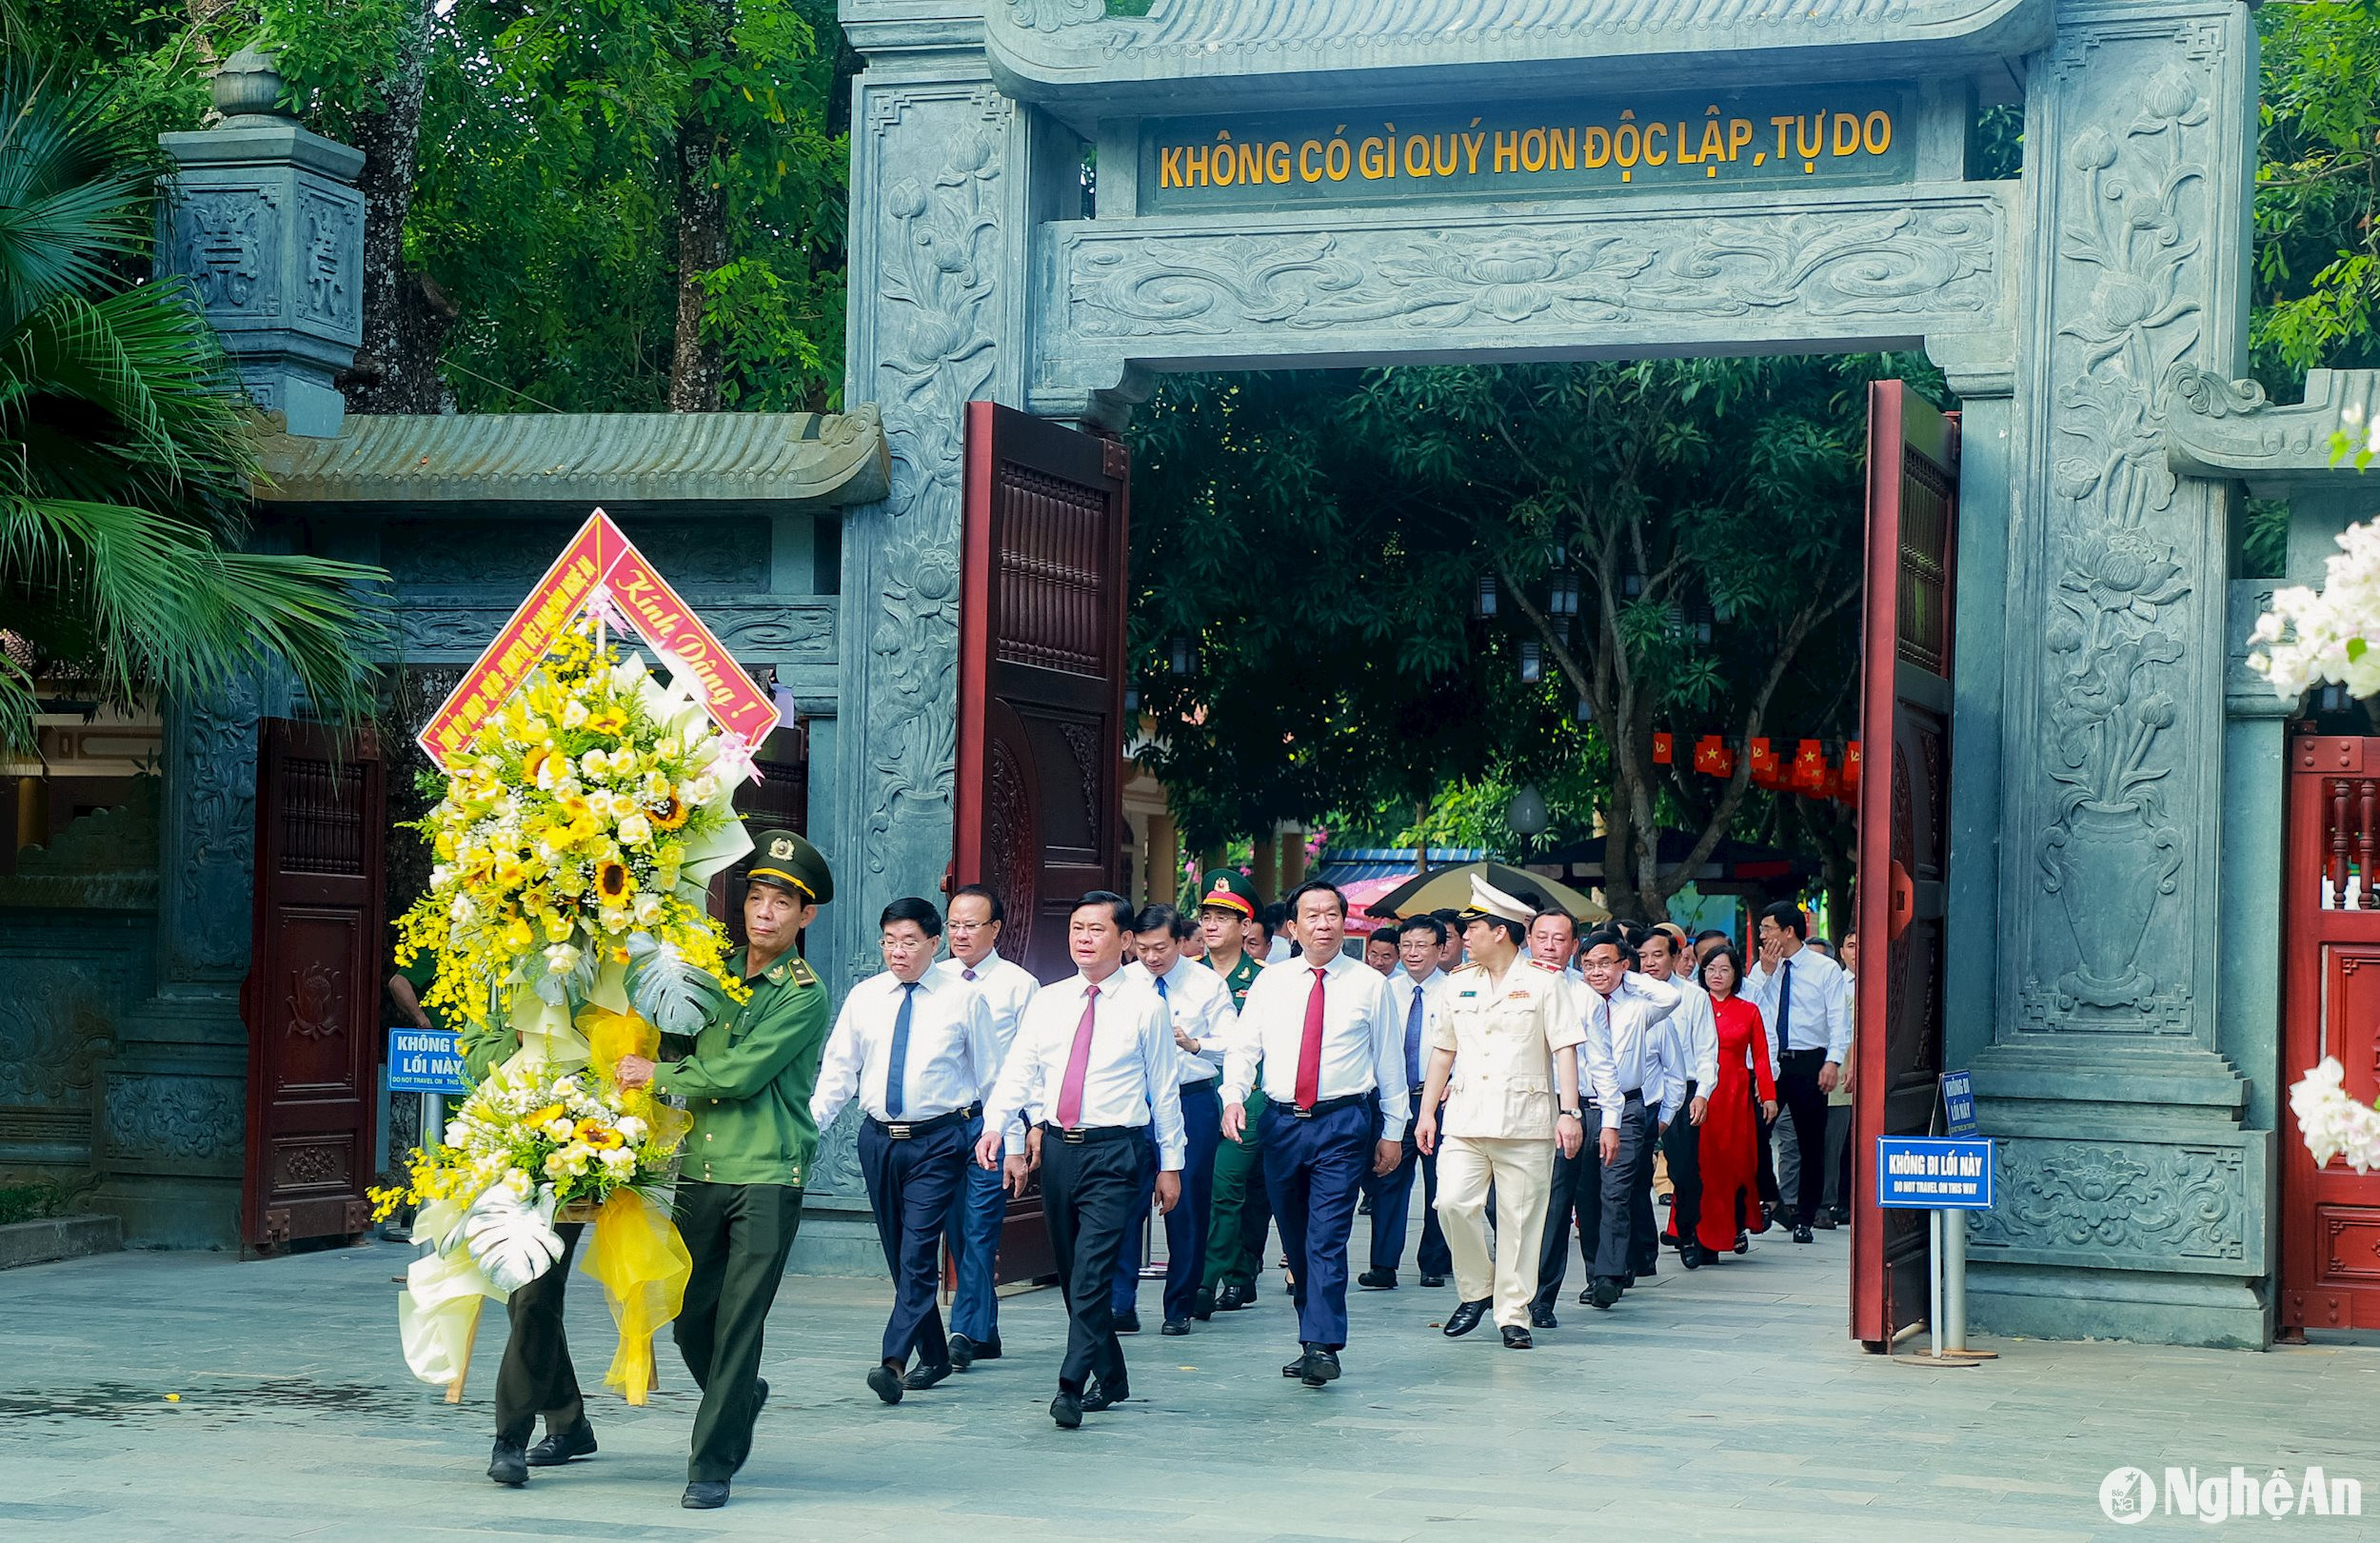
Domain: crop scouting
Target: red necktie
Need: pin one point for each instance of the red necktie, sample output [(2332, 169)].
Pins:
[(1310, 1049), (1077, 1065)]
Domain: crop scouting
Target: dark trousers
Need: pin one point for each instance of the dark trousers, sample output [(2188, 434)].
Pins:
[(1092, 1194), (1839, 1190), (537, 1377), (1391, 1194), (1682, 1145), (1644, 1239), (1764, 1167), (1314, 1170), (1186, 1223), (1577, 1188), (1614, 1251), (1241, 1210), (911, 1186), (739, 1236), (1798, 1088)]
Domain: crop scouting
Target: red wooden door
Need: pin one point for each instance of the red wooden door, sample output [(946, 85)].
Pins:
[(1904, 809), (1040, 786), (312, 994), (2330, 1006)]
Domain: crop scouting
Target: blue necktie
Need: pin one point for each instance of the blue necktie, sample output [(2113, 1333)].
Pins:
[(1784, 1004), (1413, 1040), (1161, 987), (896, 1071)]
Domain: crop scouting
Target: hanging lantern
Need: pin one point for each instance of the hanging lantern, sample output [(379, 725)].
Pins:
[(1487, 594), (1532, 661)]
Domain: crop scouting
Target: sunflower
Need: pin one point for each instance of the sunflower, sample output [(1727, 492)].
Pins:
[(612, 880), (609, 721), (668, 815), (551, 1111), (600, 1135)]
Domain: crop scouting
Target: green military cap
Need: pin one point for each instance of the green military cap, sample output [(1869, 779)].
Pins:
[(1227, 889), (785, 859)]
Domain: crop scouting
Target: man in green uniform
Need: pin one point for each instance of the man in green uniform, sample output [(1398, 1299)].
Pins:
[(1241, 1214), (747, 1083)]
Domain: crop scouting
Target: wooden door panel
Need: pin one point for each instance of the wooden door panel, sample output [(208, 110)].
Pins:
[(312, 996), (2330, 1007), (1038, 794), (1904, 724)]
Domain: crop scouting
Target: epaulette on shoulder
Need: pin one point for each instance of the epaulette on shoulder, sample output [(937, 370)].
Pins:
[(1466, 967), (1549, 969), (801, 973)]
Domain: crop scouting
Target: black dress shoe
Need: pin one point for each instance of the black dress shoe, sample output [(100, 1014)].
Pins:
[(1466, 1317), (1604, 1292), (1518, 1338), (1378, 1280), (1801, 1235), (1128, 1323), (1626, 1281), (560, 1447), (987, 1350), (886, 1381), (508, 1464), (1743, 1242), (1322, 1366), (922, 1376), (1540, 1317), (1586, 1295), (1100, 1395), (1202, 1304), (1824, 1222), (1066, 1409), (1433, 1281), (1229, 1299), (1296, 1368), (1841, 1215), (705, 1494), (1175, 1326), (1690, 1254), (962, 1352)]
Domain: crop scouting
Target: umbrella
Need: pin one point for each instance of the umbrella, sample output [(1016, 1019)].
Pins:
[(1361, 893), (1443, 888)]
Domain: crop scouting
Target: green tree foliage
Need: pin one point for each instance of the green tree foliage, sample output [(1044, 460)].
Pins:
[(2318, 191), (124, 462), (1312, 546)]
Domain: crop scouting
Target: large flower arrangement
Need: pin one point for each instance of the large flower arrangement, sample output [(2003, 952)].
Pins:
[(574, 846), (2309, 638)]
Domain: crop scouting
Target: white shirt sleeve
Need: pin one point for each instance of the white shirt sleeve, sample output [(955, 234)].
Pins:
[(1388, 1063), (1595, 1060), (1018, 1090), (1245, 1056), (1838, 1018), (982, 1038), (1165, 1085), (839, 1068)]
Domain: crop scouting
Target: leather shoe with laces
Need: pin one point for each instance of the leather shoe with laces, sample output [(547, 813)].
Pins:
[(561, 1446), (1466, 1317), (1540, 1317), (1066, 1409), (1322, 1366), (705, 1494), (1517, 1337), (508, 1464)]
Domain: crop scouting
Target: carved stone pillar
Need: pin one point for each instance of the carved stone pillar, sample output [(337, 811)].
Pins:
[(2132, 1201), (267, 228)]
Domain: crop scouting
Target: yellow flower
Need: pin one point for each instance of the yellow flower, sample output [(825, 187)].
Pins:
[(669, 815), (609, 721), (613, 882), (557, 927), (517, 936), (599, 1135), (551, 1111)]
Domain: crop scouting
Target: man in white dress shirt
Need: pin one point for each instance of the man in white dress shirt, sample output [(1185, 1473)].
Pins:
[(1203, 1020), (915, 1048), (1416, 995), (1574, 1190), (1321, 1029), (1803, 993), (1697, 1030), (1628, 1021), (1094, 1068), (977, 917)]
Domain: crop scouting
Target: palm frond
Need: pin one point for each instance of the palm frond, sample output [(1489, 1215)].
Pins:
[(75, 189)]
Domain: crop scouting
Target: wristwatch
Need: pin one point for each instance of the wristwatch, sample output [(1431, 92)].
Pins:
[(1572, 1114)]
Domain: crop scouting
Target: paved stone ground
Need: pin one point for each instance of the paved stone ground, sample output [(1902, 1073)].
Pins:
[(1724, 1403)]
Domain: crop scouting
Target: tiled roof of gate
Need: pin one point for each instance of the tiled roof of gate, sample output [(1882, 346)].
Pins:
[(794, 457)]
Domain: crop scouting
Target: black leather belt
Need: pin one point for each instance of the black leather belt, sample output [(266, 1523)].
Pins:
[(1208, 1086), (902, 1130), (1327, 1106), (1092, 1135), (1637, 1094)]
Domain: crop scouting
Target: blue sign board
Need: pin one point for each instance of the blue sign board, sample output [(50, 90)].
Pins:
[(1932, 1173), (1958, 1102), (426, 1061)]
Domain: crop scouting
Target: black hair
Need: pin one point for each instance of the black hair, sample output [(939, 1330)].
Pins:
[(983, 892), (1163, 919), (1556, 910), (1119, 909), (1789, 915), (1709, 933), (912, 908), (1514, 930), (1317, 886), (1384, 932), (1636, 932), (1430, 925), (1449, 918), (1616, 939), (1271, 916), (1727, 951)]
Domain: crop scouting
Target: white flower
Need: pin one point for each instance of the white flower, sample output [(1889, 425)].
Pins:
[(457, 1132), (631, 1129), (462, 910), (517, 1180), (574, 713), (700, 791), (647, 908), (626, 674), (636, 830), (591, 764), (2334, 1125), (561, 959)]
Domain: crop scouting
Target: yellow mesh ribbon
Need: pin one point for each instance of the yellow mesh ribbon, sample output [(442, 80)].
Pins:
[(611, 1036), (635, 1254)]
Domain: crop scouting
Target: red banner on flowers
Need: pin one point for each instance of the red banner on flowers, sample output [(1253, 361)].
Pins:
[(599, 561)]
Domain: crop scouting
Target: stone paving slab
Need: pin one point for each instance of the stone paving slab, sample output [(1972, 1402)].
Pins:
[(1724, 1403)]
